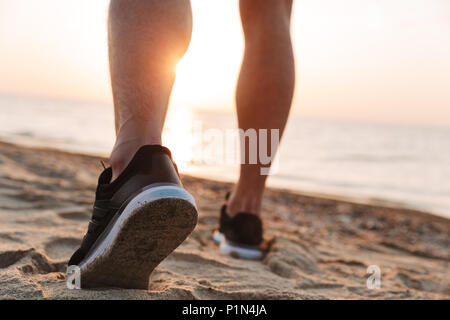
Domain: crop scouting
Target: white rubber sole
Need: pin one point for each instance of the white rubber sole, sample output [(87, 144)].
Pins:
[(146, 196), (234, 250)]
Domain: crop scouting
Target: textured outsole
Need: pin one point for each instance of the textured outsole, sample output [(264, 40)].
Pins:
[(146, 238)]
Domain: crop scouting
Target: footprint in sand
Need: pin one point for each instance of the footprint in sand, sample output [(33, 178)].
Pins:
[(287, 259), (38, 262), (282, 269), (417, 283), (78, 215), (41, 264), (61, 248), (9, 258), (7, 236)]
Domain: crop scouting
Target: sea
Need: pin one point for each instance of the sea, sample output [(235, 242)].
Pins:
[(394, 165)]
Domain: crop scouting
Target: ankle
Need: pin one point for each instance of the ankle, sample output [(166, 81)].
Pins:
[(244, 202), (124, 151)]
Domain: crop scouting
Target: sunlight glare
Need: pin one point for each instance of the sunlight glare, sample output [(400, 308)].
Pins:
[(207, 73), (177, 135)]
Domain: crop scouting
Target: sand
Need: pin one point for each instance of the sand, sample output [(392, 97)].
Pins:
[(322, 247)]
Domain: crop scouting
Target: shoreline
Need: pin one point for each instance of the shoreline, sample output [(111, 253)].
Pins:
[(322, 250), (370, 201)]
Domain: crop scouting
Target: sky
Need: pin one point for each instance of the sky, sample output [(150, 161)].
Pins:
[(373, 60)]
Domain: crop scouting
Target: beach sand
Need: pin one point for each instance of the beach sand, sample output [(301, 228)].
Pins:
[(322, 247)]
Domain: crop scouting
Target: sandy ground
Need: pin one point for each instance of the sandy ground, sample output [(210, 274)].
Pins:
[(322, 247)]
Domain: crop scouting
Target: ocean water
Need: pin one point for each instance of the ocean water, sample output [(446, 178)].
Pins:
[(398, 165)]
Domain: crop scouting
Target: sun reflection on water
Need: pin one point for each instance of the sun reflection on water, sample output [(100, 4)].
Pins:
[(178, 135)]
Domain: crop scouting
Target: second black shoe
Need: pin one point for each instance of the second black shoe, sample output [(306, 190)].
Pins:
[(137, 221), (240, 236)]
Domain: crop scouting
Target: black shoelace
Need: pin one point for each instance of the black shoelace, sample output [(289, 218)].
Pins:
[(101, 214)]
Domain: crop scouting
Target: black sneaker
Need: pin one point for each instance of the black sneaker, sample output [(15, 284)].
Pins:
[(240, 236), (137, 221)]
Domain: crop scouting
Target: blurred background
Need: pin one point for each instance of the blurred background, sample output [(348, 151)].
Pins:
[(371, 113)]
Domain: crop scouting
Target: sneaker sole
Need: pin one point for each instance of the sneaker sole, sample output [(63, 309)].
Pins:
[(151, 225), (236, 250)]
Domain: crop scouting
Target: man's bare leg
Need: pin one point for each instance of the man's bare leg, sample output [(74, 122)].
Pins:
[(265, 88), (146, 40), (124, 242)]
